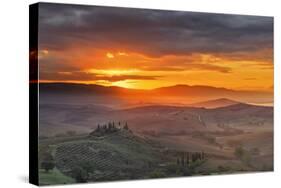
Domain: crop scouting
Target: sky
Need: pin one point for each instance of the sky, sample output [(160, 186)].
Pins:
[(146, 49)]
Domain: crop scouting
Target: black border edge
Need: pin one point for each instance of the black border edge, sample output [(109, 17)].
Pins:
[(33, 94)]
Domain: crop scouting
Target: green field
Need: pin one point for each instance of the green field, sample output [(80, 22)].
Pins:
[(53, 177)]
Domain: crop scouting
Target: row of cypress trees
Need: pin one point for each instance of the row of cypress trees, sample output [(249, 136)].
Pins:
[(185, 158)]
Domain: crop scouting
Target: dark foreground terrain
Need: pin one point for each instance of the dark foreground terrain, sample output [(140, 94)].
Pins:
[(112, 154)]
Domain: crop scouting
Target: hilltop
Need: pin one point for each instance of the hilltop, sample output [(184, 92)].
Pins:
[(221, 102), (110, 128), (108, 153)]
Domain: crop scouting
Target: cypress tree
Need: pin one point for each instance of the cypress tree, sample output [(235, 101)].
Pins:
[(178, 161), (182, 160), (126, 126), (187, 158)]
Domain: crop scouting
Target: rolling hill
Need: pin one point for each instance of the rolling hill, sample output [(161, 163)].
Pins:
[(178, 94), (161, 119), (167, 116), (115, 156), (215, 103)]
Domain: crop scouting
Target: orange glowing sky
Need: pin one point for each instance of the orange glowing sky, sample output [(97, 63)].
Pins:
[(141, 49)]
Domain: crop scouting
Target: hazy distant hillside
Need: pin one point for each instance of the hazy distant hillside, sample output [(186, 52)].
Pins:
[(157, 118), (160, 130), (191, 90), (183, 94), (72, 88), (215, 103), (244, 112)]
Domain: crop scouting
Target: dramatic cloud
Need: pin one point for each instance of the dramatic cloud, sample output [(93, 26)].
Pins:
[(153, 48), (152, 32)]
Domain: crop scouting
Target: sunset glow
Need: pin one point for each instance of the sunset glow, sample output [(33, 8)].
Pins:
[(109, 55), (127, 93), (160, 57), (143, 72)]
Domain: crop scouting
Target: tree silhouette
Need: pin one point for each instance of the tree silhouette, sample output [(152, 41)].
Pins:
[(178, 161), (203, 155), (126, 127), (48, 162), (187, 158), (182, 159), (79, 174)]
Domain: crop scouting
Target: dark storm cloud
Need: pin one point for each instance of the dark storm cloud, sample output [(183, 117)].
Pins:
[(152, 32)]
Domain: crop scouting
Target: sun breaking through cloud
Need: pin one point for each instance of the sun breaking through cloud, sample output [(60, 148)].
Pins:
[(152, 48)]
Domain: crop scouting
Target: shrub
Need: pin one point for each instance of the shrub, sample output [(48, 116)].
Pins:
[(223, 168), (172, 169), (82, 172), (239, 152), (186, 171), (157, 174), (79, 174), (243, 155), (47, 165), (47, 162)]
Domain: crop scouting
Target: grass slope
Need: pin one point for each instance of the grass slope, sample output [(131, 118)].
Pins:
[(116, 156), (53, 177)]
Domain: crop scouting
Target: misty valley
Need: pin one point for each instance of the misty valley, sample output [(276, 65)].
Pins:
[(92, 134)]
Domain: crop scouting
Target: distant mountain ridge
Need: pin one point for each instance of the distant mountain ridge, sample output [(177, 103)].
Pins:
[(66, 87), (173, 94), (216, 103)]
